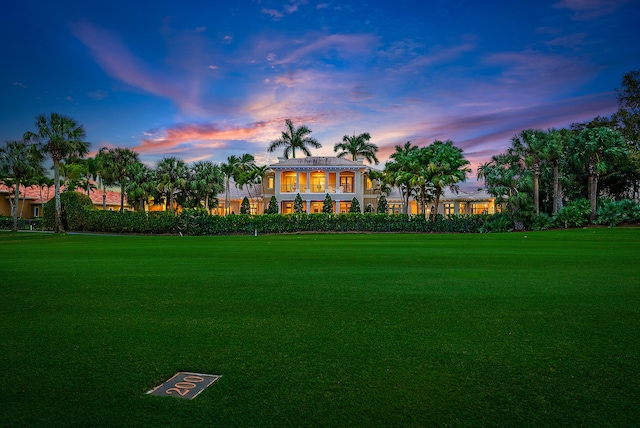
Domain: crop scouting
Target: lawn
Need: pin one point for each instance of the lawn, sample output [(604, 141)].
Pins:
[(518, 329)]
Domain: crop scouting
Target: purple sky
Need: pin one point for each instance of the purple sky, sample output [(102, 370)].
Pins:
[(208, 79)]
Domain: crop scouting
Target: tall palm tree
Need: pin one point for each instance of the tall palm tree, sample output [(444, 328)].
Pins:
[(62, 138), (449, 168), (140, 183), (116, 163), (171, 177), (553, 152), (529, 144), (294, 138), (400, 168), (20, 161), (357, 145), (597, 149), (228, 170), (206, 180)]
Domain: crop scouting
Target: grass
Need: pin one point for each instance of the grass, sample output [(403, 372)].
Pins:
[(537, 329)]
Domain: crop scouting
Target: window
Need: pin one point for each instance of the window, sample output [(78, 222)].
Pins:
[(36, 211), (368, 184), (346, 183), (270, 182), (480, 208), (345, 207), (287, 208), (288, 184), (449, 209), (318, 181), (462, 208)]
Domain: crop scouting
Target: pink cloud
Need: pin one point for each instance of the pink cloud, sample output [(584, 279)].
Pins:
[(111, 53)]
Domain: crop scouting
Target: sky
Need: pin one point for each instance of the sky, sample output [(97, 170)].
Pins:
[(203, 80)]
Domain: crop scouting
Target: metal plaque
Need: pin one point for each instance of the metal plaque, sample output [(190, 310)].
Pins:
[(184, 385)]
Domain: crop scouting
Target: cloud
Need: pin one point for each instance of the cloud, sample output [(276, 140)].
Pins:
[(590, 9), (210, 135), (19, 84), (98, 95), (119, 62), (275, 14)]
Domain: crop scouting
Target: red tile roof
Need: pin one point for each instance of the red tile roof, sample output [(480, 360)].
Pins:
[(39, 195)]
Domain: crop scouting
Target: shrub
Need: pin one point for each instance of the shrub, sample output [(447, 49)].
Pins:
[(355, 206), (575, 214), (73, 206), (382, 205), (245, 207), (327, 205), (273, 206), (298, 205), (543, 222), (499, 222), (614, 213)]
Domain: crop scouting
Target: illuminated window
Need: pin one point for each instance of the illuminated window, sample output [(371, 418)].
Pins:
[(462, 209), (270, 182), (480, 208), (449, 209), (288, 182)]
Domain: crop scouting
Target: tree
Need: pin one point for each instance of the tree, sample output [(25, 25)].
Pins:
[(530, 144), (399, 168), (382, 205), (245, 207), (357, 145), (273, 206), (294, 138), (63, 139), (171, 177), (355, 206), (327, 204), (228, 170), (553, 152), (20, 161), (206, 181), (506, 179), (141, 183), (115, 167), (449, 168), (596, 149), (298, 204)]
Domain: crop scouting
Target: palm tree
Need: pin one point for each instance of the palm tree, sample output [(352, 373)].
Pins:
[(529, 144), (294, 138), (400, 168), (116, 163), (206, 180), (171, 177), (357, 145), (596, 149), (448, 169), (62, 138), (140, 183), (20, 162), (228, 170), (553, 152)]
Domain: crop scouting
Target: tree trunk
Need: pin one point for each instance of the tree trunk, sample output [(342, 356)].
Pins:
[(593, 196), (58, 228), (437, 204), (556, 189), (536, 193), (122, 197), (14, 211)]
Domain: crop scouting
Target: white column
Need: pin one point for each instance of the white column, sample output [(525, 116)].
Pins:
[(338, 207), (308, 207)]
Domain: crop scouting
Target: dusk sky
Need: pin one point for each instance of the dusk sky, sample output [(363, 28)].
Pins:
[(208, 79)]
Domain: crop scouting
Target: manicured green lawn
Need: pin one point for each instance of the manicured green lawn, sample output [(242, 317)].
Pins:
[(535, 329)]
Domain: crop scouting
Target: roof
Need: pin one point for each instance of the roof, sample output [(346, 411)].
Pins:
[(41, 195), (449, 196), (313, 162)]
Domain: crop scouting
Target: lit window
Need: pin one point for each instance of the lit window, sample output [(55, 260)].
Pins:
[(449, 209)]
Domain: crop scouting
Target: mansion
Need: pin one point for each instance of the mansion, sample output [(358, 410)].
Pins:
[(312, 177)]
